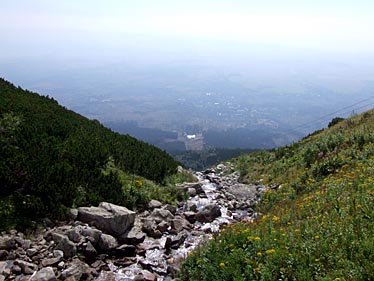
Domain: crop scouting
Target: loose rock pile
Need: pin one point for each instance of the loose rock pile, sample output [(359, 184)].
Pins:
[(110, 242)]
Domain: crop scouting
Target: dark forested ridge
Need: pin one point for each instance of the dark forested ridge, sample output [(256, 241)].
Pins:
[(52, 158)]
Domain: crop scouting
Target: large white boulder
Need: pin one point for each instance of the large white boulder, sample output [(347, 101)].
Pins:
[(109, 218)]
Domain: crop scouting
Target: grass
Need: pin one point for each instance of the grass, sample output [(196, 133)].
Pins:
[(317, 226)]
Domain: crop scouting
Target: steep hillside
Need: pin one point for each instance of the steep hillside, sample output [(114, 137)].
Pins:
[(317, 219), (52, 158)]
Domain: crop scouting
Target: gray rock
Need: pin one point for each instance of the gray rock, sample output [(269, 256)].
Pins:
[(73, 235), (24, 244), (67, 247), (199, 188), (45, 274), (107, 243), (58, 253), (26, 267), (179, 239), (133, 237), (31, 252), (161, 215), (56, 237), (61, 265), (148, 276), (191, 191), (109, 218), (184, 186), (191, 206), (163, 226), (172, 209), (3, 254), (76, 270), (125, 251), (153, 204), (190, 216), (178, 224), (229, 196), (3, 265), (16, 269), (72, 214), (7, 271), (51, 261), (92, 234), (7, 243), (150, 227), (166, 242), (208, 214), (90, 251)]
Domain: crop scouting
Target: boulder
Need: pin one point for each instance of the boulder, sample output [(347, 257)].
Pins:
[(26, 267), (178, 224), (191, 191), (56, 237), (190, 216), (109, 218), (150, 227), (74, 271), (45, 274), (161, 215), (133, 237), (73, 235), (153, 204), (89, 251), (31, 252), (58, 254), (23, 243), (67, 247), (51, 261), (3, 254), (208, 214), (72, 214), (7, 243), (16, 269), (178, 240), (107, 243), (91, 234), (166, 242), (163, 226), (172, 209), (146, 276), (125, 251)]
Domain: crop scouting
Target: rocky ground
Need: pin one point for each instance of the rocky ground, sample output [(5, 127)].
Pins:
[(110, 242)]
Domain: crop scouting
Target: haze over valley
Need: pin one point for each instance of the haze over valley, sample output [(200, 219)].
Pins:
[(215, 79)]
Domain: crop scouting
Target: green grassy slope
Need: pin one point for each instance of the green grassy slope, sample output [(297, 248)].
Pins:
[(52, 158), (317, 226)]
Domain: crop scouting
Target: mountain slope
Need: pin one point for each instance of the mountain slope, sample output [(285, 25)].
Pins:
[(317, 221), (52, 158)]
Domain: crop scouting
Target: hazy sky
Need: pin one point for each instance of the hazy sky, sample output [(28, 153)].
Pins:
[(72, 26)]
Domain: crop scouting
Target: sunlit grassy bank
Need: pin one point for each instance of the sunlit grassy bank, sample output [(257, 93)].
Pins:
[(317, 226)]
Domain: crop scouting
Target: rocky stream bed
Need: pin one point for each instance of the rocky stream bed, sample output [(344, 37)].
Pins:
[(110, 242)]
